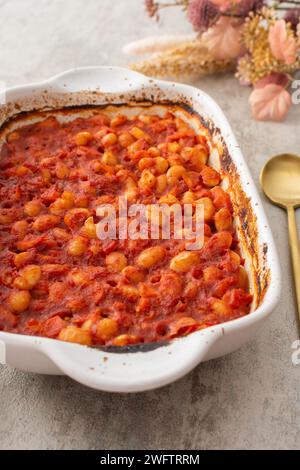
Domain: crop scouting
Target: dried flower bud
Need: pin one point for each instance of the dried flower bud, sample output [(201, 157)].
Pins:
[(202, 14), (152, 8), (292, 16)]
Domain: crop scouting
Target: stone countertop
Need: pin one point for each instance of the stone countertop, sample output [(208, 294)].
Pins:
[(247, 400)]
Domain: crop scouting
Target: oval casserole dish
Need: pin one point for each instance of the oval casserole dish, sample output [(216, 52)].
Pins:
[(148, 366)]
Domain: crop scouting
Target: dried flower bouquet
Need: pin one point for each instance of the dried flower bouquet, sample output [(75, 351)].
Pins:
[(259, 41)]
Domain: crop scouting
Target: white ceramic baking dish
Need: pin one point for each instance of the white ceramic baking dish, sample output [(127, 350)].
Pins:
[(146, 367)]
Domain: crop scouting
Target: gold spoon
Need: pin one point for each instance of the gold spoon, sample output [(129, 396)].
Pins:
[(280, 180)]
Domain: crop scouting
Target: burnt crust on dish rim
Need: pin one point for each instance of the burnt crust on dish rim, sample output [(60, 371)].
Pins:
[(67, 103)]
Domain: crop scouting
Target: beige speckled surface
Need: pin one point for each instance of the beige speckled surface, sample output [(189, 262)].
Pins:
[(250, 399)]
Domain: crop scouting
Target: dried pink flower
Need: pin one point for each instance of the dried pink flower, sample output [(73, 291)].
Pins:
[(292, 16), (283, 46), (221, 4), (244, 7), (202, 14)]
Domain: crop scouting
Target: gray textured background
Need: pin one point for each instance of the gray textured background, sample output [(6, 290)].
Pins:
[(250, 399)]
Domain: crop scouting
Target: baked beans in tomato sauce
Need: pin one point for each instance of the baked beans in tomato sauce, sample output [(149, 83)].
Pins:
[(58, 280)]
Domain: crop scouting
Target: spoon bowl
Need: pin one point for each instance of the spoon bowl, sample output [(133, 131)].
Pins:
[(280, 180)]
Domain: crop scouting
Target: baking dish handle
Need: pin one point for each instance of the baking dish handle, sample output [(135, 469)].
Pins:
[(102, 79), (136, 369)]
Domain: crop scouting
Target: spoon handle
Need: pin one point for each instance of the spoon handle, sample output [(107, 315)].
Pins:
[(295, 254)]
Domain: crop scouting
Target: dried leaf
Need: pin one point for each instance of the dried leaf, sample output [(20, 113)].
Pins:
[(270, 103), (282, 44), (223, 39)]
